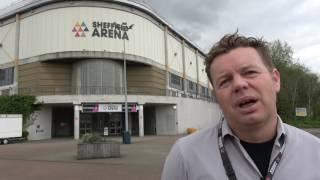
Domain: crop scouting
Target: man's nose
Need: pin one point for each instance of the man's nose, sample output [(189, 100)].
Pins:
[(239, 83)]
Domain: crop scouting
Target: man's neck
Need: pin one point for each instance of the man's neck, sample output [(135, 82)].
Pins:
[(257, 134)]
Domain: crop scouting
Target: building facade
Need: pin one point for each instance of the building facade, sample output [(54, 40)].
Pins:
[(71, 55)]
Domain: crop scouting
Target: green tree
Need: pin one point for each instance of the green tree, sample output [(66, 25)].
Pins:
[(18, 104), (299, 86)]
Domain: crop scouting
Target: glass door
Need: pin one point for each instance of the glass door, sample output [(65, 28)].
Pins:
[(115, 127), (85, 124)]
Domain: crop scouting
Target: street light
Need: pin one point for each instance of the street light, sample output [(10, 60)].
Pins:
[(126, 137)]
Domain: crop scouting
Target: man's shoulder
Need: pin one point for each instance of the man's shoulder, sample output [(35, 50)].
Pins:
[(301, 136), (190, 154), (200, 138)]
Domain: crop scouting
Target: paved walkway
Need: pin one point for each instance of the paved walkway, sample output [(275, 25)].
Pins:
[(56, 160)]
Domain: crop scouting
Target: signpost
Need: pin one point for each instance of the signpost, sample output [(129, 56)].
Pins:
[(301, 112)]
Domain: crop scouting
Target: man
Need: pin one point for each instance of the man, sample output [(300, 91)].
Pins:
[(251, 142)]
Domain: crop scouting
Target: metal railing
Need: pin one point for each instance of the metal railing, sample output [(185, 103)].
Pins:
[(103, 90)]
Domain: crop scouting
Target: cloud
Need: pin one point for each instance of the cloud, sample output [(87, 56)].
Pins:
[(191, 18), (206, 21)]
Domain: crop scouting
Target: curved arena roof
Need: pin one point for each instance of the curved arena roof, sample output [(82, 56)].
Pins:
[(27, 5)]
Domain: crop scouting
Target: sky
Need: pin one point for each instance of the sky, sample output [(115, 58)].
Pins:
[(205, 22)]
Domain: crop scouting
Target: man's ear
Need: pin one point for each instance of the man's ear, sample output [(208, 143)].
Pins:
[(276, 79)]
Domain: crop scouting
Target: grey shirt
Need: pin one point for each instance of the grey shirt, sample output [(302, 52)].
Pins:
[(197, 156)]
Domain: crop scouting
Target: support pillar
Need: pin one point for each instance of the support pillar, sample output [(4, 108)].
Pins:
[(166, 60), (16, 56), (198, 78), (184, 76), (77, 121), (141, 125)]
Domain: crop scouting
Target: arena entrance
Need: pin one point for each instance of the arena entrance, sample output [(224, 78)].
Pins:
[(94, 120)]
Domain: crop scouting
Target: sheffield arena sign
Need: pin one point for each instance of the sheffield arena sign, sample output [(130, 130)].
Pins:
[(103, 30)]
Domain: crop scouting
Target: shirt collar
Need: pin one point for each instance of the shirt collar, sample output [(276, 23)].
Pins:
[(226, 129), (281, 132)]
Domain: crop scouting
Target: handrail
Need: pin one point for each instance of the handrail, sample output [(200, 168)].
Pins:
[(103, 90)]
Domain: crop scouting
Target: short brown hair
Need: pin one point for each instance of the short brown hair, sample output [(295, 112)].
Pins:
[(233, 41)]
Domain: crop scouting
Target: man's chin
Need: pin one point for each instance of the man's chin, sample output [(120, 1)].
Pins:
[(249, 119)]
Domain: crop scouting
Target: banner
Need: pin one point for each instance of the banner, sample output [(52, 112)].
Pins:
[(109, 107), (92, 108)]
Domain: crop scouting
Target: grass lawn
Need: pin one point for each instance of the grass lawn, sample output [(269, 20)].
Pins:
[(304, 123)]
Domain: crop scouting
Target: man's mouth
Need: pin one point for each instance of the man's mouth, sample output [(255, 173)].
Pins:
[(247, 102)]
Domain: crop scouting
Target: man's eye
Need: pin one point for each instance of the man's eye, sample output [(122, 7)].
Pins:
[(251, 73), (223, 83)]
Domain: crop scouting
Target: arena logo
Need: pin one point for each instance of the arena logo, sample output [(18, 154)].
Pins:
[(80, 30), (111, 30), (103, 29)]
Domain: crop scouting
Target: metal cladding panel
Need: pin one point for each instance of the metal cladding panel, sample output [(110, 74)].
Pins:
[(91, 29), (7, 39), (203, 79), (191, 63), (175, 54), (97, 76)]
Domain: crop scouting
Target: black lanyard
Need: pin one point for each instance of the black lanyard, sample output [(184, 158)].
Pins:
[(227, 163)]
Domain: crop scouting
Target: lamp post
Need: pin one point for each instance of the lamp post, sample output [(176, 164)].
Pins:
[(126, 137)]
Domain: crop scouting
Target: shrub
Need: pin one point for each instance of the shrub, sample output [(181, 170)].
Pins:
[(19, 104), (92, 138)]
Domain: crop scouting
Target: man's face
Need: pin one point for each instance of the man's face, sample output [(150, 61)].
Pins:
[(244, 88)]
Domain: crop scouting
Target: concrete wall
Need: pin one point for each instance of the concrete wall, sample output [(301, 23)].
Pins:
[(166, 120), (41, 126), (196, 114), (187, 113)]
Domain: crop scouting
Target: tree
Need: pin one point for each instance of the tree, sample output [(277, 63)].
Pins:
[(18, 104), (299, 86)]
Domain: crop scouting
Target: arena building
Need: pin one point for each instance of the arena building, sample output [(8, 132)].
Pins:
[(80, 58)]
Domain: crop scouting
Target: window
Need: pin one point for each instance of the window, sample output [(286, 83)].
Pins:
[(6, 76), (203, 91), (2, 74), (192, 87), (176, 81)]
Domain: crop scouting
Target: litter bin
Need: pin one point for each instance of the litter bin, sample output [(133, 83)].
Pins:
[(126, 138), (105, 131)]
